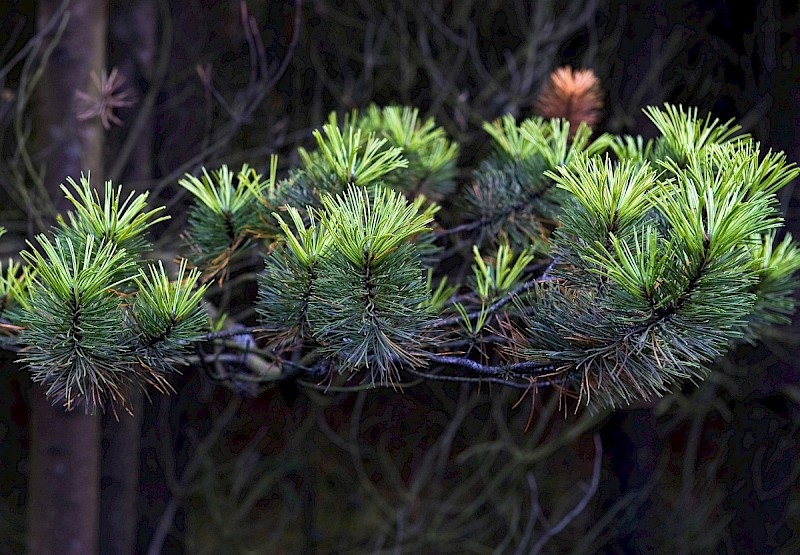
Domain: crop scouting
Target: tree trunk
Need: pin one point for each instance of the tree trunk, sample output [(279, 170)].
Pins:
[(120, 478), (64, 494)]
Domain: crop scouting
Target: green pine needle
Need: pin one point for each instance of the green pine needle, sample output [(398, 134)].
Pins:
[(307, 242), (78, 347), (15, 280), (632, 148), (508, 139), (620, 195), (662, 257), (220, 194), (513, 196), (115, 219), (352, 159), (226, 215), (775, 264), (431, 156), (168, 315), (367, 316), (684, 134), (551, 140), (366, 230), (660, 271), (492, 281)]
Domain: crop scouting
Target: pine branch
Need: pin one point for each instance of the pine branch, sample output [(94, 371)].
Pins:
[(167, 316), (76, 346), (225, 215), (673, 257), (658, 261)]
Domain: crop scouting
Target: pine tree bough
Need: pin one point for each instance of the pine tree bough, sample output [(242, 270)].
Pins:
[(613, 268), (95, 323)]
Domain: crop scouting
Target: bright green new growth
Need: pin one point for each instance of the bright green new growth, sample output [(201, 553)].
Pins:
[(613, 197), (167, 315), (115, 220), (218, 192), (431, 156), (508, 139), (94, 323), (439, 296), (684, 134), (390, 146), (492, 281), (285, 285), (512, 197), (351, 281), (72, 320), (367, 230), (660, 272), (353, 159), (632, 149), (14, 282), (309, 242), (775, 266), (225, 215), (547, 139), (551, 141)]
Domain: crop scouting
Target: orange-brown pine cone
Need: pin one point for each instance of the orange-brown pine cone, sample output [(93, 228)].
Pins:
[(573, 95)]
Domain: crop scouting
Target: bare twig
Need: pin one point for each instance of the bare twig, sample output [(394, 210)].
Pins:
[(165, 523), (578, 509)]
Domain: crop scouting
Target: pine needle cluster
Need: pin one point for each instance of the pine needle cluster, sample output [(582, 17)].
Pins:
[(511, 196), (662, 264), (94, 321), (351, 281), (225, 215), (14, 282), (431, 155)]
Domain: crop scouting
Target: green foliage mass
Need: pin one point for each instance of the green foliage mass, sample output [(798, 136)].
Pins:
[(639, 261), (661, 269), (613, 267), (94, 322), (352, 282)]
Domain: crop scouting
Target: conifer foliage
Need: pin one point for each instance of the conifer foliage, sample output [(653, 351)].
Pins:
[(612, 267), (95, 322), (632, 264)]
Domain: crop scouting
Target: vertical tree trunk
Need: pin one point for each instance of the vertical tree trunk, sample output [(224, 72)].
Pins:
[(63, 502), (134, 29), (120, 479)]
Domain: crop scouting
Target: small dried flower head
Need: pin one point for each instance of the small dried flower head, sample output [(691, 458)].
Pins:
[(573, 95), (110, 95)]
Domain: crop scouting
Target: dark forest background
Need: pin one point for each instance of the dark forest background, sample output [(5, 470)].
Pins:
[(441, 467)]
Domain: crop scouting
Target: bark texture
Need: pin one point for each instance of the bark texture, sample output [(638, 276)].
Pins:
[(64, 495)]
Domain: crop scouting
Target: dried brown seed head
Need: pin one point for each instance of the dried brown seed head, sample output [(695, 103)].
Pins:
[(574, 95), (110, 94)]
